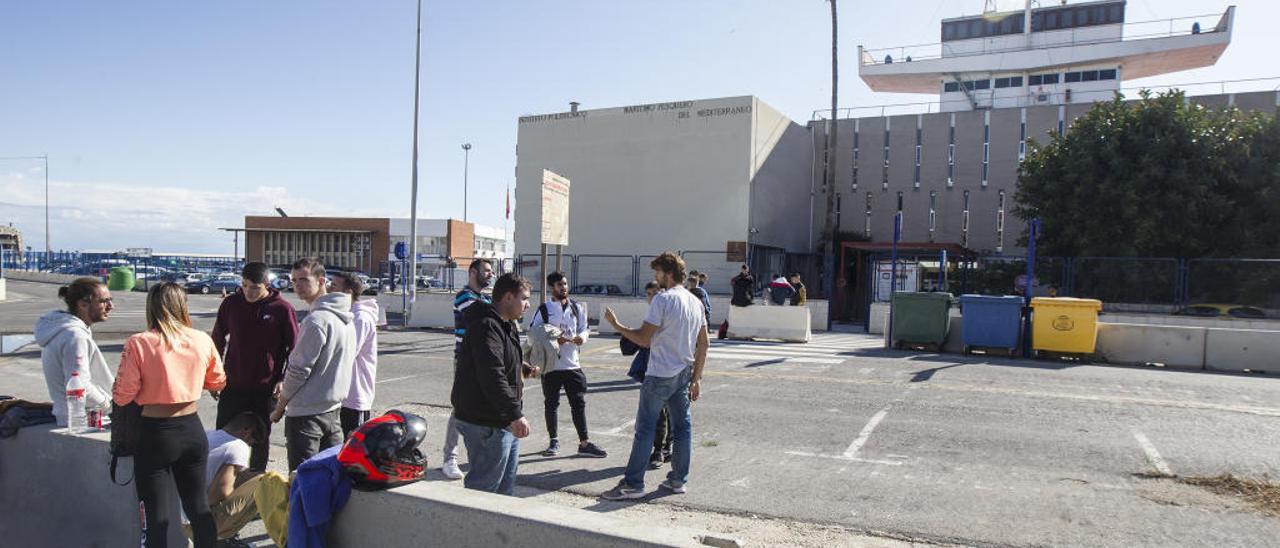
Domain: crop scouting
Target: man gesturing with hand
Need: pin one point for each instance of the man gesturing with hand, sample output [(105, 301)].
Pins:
[(488, 387)]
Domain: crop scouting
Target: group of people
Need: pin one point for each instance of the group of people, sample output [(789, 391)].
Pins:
[(262, 365), (490, 370), (259, 363), (781, 290)]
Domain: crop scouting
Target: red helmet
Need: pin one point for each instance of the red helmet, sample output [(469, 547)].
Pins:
[(383, 452)]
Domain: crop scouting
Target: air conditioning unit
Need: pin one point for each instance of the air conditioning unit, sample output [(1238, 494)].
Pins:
[(1042, 97)]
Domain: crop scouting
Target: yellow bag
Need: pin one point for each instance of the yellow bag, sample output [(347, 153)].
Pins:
[(272, 498)]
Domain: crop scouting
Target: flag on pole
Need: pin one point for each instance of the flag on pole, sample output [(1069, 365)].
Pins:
[(508, 201)]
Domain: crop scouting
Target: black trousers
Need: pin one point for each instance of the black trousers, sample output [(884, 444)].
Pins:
[(351, 420), (662, 434), (258, 400), (574, 383), (171, 458)]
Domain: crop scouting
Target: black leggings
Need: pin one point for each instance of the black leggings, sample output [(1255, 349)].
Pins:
[(172, 453), (574, 383)]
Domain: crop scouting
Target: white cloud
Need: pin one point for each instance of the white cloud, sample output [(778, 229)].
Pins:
[(116, 216)]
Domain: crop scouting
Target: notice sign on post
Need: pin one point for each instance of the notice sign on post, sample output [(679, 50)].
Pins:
[(555, 209), (908, 279)]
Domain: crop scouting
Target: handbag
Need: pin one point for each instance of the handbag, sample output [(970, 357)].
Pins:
[(126, 426)]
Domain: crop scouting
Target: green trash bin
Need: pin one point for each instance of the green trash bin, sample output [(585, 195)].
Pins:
[(920, 319), (121, 279)]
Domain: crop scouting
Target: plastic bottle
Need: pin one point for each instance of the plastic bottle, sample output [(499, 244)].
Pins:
[(77, 420)]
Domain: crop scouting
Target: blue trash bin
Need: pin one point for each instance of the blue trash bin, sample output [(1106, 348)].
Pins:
[(991, 322)]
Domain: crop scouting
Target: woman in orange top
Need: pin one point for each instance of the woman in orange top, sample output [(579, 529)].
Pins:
[(163, 370)]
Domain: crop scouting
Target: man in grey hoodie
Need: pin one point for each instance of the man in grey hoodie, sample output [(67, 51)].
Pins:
[(67, 345), (318, 375)]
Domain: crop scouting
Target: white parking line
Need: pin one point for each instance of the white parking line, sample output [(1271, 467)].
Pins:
[(399, 379), (865, 434), (1152, 455), (618, 430)]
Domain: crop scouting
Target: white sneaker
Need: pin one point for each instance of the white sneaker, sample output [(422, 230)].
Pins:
[(451, 470)]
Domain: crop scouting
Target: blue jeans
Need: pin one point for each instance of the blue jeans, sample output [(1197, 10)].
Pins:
[(654, 393), (493, 454)]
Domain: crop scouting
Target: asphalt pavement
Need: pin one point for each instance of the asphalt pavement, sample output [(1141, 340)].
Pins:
[(941, 448)]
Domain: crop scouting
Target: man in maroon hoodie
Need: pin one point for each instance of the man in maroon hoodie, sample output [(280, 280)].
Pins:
[(262, 327)]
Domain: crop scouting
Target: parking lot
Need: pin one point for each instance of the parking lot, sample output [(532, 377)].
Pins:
[(936, 448)]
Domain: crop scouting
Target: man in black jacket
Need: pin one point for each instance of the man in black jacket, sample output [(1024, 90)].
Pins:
[(488, 387)]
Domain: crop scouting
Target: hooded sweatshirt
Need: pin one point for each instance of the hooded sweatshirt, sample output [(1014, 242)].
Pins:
[(318, 375), (66, 347), (262, 334), (365, 313)]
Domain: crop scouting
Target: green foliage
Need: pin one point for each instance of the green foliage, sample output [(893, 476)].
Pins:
[(1156, 177)]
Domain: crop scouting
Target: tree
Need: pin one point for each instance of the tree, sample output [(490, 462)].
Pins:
[(1156, 177)]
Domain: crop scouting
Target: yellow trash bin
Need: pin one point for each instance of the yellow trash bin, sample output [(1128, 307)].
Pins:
[(1064, 324)]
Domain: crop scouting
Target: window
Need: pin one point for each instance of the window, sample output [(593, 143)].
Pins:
[(933, 213), (967, 84), (1050, 78), (1089, 75), (1107, 74), (1051, 21), (986, 145), (899, 200), (1002, 82), (1034, 80), (1000, 223), (951, 87), (1068, 18), (866, 228), (1073, 77), (1115, 13), (855, 157), (951, 153), (982, 84), (1015, 81), (948, 31), (964, 221), (919, 151), (975, 28)]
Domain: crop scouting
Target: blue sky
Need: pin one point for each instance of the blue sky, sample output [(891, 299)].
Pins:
[(165, 120)]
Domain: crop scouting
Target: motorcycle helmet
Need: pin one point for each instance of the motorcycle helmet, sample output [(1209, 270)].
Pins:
[(383, 453)]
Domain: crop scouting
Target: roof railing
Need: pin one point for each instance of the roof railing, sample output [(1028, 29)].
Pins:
[(1140, 30)]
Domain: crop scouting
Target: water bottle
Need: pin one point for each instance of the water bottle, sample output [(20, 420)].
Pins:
[(77, 420)]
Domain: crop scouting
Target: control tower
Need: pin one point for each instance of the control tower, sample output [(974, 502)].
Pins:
[(1045, 55)]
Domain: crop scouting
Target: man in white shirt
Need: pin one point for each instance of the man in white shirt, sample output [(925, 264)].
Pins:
[(231, 483), (675, 330), (571, 318)]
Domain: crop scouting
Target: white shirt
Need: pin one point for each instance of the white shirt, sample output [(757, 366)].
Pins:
[(224, 449), (572, 324), (679, 316)]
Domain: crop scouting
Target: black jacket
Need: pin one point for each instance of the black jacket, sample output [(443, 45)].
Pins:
[(487, 386), (743, 287)]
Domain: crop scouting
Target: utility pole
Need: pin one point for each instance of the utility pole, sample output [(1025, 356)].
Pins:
[(466, 162), (829, 226)]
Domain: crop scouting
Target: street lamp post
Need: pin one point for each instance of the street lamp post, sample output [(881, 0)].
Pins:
[(412, 284), (466, 161)]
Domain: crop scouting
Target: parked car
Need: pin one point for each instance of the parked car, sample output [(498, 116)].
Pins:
[(216, 284), (596, 289), (184, 278), (1226, 311)]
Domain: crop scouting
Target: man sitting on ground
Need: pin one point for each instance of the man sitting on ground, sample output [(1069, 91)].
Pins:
[(231, 482)]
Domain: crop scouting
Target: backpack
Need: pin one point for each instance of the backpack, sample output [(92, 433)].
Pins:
[(126, 424), (546, 314)]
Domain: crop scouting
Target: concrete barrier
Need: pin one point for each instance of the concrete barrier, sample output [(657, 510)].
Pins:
[(55, 491), (432, 310), (1189, 321), (4, 294), (46, 277), (788, 323), (1241, 349), (878, 323), (1176, 347), (440, 514), (631, 314)]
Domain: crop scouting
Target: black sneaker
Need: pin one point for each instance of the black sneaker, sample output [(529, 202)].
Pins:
[(655, 460), (666, 455), (591, 450), (553, 449)]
